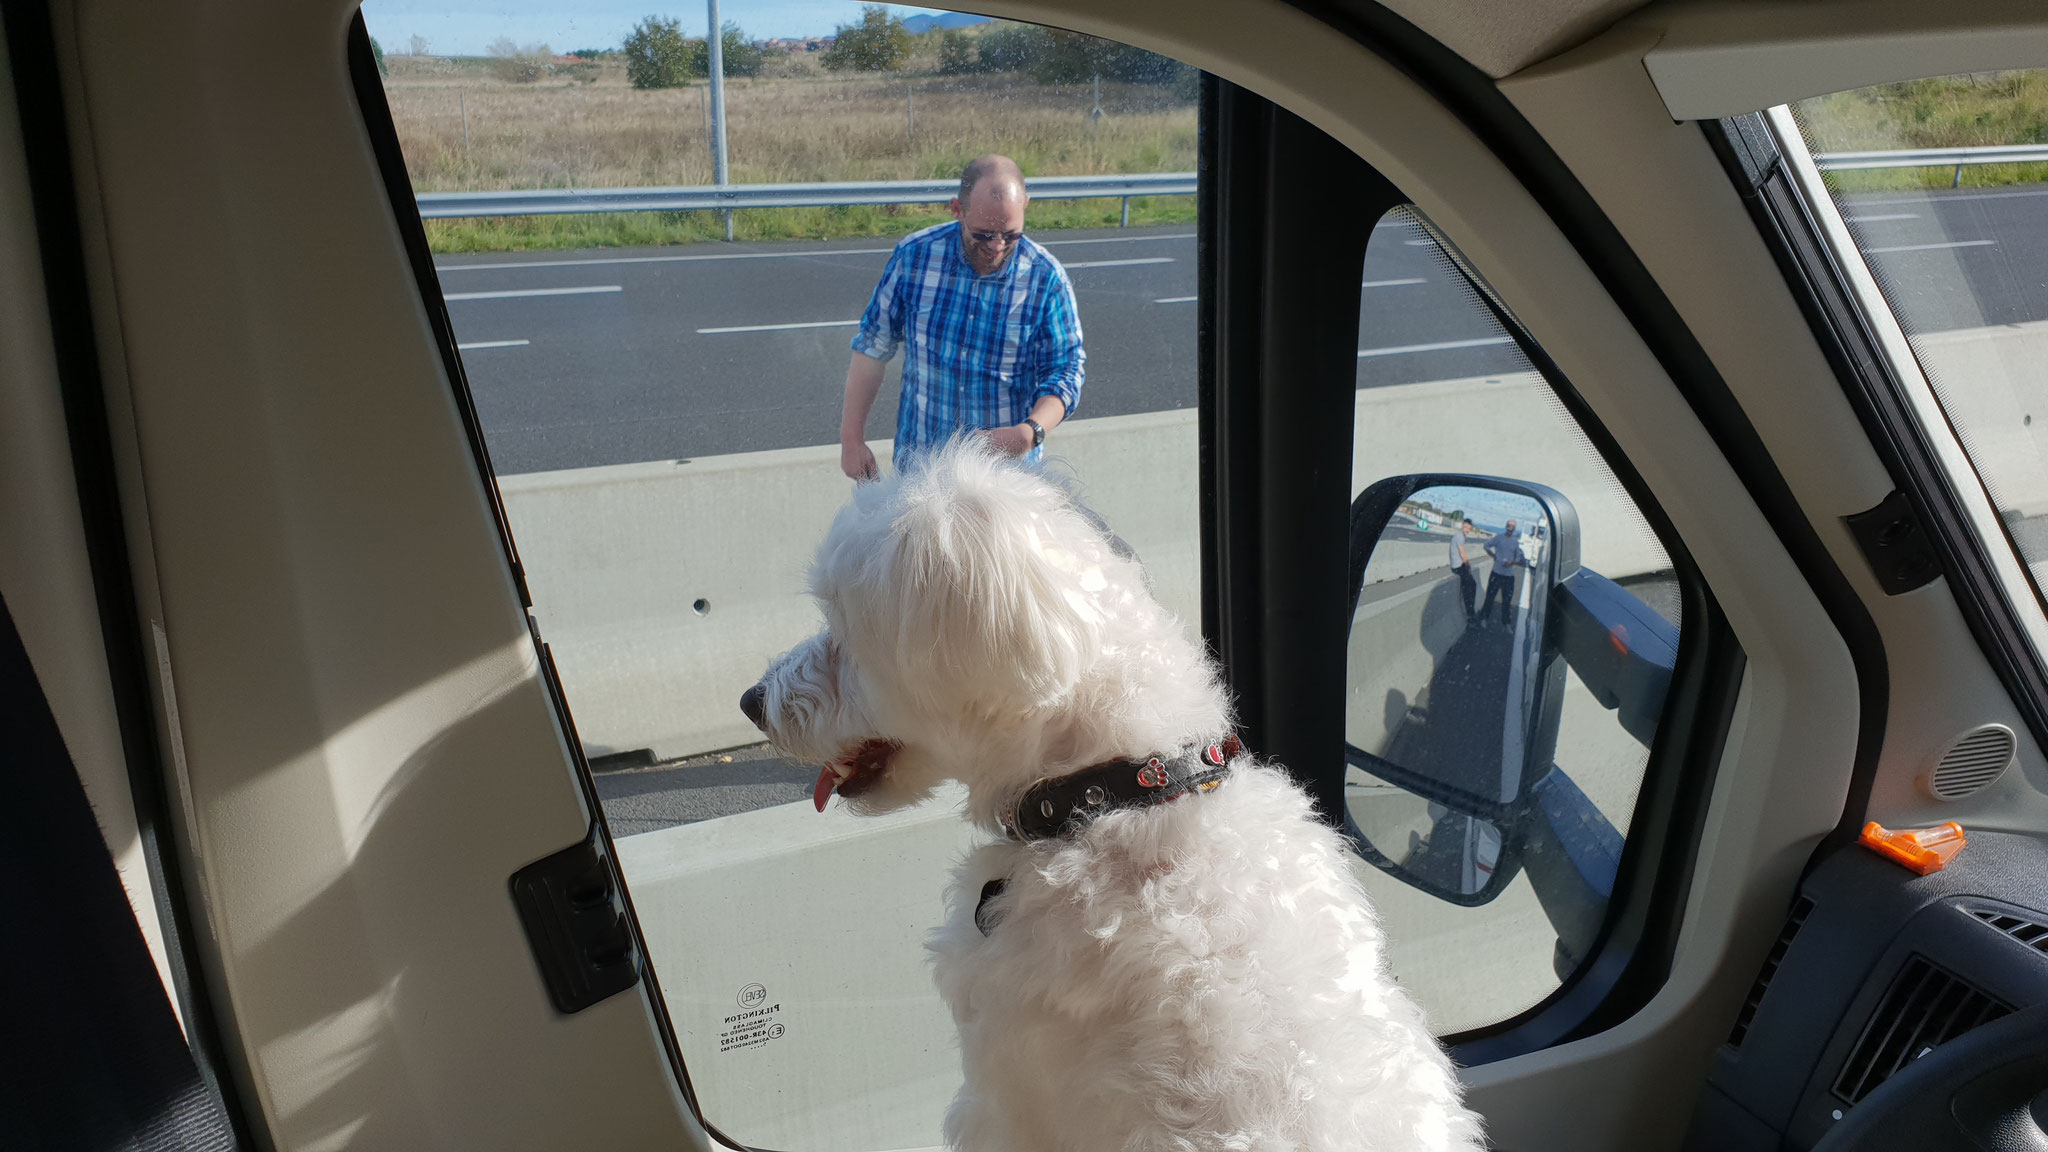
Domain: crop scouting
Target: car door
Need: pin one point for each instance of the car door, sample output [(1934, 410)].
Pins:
[(372, 780)]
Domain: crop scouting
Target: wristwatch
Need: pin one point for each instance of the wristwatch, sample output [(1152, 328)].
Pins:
[(1037, 432)]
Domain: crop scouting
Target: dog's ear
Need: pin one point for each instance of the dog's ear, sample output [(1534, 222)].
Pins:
[(986, 590)]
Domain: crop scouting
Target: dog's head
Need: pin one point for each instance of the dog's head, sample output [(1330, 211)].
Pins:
[(980, 626)]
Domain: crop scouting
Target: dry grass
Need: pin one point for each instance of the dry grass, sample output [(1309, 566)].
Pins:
[(1943, 112), (798, 126)]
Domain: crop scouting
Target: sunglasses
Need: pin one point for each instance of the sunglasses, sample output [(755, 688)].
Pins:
[(994, 239)]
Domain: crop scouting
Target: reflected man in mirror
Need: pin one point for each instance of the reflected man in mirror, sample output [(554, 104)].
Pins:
[(988, 320), (1462, 565), (1506, 550)]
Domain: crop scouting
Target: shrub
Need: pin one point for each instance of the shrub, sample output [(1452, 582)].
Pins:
[(879, 43), (742, 57), (520, 65), (377, 51), (657, 56)]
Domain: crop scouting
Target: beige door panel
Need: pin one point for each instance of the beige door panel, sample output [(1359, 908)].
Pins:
[(363, 746)]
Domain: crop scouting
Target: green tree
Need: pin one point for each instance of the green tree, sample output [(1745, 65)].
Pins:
[(377, 51), (879, 43), (657, 56), (1071, 58), (742, 57), (956, 52), (1010, 47)]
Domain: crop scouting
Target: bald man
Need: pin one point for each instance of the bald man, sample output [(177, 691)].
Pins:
[(987, 321)]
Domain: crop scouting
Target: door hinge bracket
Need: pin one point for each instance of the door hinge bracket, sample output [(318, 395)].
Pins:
[(1895, 544), (576, 921)]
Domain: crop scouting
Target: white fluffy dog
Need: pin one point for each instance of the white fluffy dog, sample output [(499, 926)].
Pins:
[(1166, 950)]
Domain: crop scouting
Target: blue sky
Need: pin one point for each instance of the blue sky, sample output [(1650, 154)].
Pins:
[(465, 27)]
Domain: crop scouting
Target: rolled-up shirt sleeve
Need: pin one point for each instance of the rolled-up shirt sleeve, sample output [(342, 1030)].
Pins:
[(881, 326), (1060, 359)]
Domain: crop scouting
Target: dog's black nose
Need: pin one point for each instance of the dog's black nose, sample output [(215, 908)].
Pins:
[(754, 703)]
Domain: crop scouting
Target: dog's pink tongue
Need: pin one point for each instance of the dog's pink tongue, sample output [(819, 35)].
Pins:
[(826, 779)]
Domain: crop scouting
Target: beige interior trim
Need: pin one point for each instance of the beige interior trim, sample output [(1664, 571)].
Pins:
[(44, 571), (1727, 57), (351, 704)]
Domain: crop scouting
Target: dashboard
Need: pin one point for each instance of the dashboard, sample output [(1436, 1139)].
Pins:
[(1875, 968)]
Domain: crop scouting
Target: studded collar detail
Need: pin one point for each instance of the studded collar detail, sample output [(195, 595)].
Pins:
[(1065, 804)]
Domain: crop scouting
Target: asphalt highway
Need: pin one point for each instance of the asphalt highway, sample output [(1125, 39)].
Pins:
[(587, 358), (617, 356)]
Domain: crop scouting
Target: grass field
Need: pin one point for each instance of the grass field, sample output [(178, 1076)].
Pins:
[(802, 125), (1945, 112), (466, 128)]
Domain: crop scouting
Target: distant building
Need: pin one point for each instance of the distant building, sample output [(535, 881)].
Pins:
[(793, 44)]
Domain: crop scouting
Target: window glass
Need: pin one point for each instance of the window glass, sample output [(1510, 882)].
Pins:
[(1515, 629), (662, 404), (1943, 184)]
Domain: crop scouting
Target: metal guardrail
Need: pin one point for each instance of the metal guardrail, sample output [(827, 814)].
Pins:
[(557, 201), (700, 197), (1957, 158), (1934, 157)]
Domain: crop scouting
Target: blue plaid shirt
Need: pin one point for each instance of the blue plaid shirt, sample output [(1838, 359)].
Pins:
[(981, 349)]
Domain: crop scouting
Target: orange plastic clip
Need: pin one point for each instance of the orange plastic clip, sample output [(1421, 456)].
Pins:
[(1924, 850)]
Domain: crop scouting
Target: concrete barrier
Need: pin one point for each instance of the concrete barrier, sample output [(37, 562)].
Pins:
[(1993, 383), (665, 588)]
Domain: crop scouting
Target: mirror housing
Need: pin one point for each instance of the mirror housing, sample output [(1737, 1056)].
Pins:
[(1461, 716)]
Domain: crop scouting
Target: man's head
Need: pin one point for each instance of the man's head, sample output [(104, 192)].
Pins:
[(1465, 525), (990, 209), (1511, 527)]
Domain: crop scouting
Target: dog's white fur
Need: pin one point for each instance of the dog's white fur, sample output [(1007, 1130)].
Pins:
[(1203, 974)]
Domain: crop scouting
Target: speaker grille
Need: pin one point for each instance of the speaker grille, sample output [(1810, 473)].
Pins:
[(1979, 757)]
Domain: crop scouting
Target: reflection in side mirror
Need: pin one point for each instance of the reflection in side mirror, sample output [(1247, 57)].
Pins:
[(1469, 605), (1453, 692)]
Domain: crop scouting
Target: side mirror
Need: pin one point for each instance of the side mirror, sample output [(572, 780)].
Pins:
[(1456, 685)]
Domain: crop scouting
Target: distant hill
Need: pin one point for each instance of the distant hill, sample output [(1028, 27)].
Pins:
[(920, 24)]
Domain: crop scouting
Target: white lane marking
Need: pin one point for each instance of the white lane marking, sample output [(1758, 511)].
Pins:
[(1930, 247), (531, 292), (1929, 201), (1391, 283), (1118, 239), (693, 257), (778, 327), (1882, 216), (494, 344), (1177, 300), (655, 259), (1437, 347), (1119, 263), (1513, 716)]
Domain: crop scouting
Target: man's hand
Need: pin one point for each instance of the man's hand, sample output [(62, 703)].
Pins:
[(857, 460), (1012, 440)]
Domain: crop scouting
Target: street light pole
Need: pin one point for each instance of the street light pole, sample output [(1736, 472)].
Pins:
[(714, 44)]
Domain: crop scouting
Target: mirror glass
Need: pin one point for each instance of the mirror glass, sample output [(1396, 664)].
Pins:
[(1439, 846), (1445, 650)]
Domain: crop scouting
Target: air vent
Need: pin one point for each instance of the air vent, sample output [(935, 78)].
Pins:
[(1926, 1007), (1800, 910), (1978, 757), (2027, 932)]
